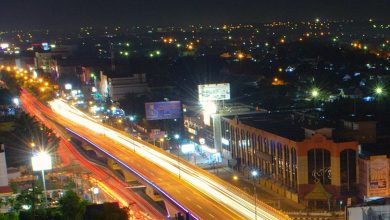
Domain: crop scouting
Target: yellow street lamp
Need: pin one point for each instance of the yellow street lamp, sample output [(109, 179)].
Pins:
[(315, 93), (379, 90)]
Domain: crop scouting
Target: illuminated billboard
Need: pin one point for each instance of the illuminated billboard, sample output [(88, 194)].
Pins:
[(163, 110), (213, 92), (378, 177)]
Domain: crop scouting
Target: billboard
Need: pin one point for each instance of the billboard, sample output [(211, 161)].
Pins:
[(378, 177), (213, 92), (163, 110)]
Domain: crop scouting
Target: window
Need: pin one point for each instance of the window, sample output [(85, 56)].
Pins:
[(273, 155), (318, 166), (280, 161), (286, 165), (294, 168), (348, 170)]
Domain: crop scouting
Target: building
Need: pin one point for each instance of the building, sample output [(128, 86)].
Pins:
[(377, 209), (374, 171), (205, 129), (117, 87), (47, 60), (5, 190), (305, 164)]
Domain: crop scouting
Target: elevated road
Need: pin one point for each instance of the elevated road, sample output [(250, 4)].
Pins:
[(202, 195)]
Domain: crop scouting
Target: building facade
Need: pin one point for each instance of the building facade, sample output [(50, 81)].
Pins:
[(290, 160), (119, 87)]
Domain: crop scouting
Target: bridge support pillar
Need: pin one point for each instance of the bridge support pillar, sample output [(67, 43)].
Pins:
[(153, 194), (172, 210)]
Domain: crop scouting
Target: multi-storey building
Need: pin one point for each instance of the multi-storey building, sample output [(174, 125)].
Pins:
[(305, 164)]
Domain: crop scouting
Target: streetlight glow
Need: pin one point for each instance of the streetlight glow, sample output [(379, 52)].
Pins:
[(41, 161), (209, 108), (379, 90), (315, 93), (254, 173)]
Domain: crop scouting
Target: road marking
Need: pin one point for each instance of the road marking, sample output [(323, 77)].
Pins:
[(211, 215), (188, 198), (199, 206)]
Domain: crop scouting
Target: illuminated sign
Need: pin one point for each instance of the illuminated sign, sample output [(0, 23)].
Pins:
[(163, 110), (41, 161), (45, 46), (213, 92), (378, 176)]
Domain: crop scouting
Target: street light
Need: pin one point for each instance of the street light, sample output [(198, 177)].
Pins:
[(315, 93), (41, 161), (209, 107), (132, 118), (254, 174), (177, 137), (379, 90)]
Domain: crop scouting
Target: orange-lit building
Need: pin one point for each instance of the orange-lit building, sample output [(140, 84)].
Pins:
[(305, 164)]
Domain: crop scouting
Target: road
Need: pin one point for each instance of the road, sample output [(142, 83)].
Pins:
[(112, 185), (202, 194)]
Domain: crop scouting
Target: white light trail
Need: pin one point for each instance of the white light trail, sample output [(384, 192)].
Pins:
[(230, 197)]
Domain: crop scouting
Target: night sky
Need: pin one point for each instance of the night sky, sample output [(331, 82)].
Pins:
[(65, 13)]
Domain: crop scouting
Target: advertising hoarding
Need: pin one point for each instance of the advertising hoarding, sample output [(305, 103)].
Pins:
[(214, 92), (163, 110), (378, 177)]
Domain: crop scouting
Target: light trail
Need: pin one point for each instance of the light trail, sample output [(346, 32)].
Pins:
[(230, 197)]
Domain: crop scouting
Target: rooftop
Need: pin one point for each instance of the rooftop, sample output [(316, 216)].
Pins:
[(276, 123)]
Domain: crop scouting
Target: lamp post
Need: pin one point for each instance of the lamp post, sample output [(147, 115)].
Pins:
[(379, 93), (254, 174), (177, 137), (41, 161)]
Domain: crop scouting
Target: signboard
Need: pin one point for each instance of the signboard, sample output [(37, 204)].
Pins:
[(41, 161), (156, 134), (163, 110), (378, 176), (213, 92)]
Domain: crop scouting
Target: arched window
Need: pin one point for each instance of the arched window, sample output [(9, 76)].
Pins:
[(286, 165), (243, 146), (294, 168), (238, 144), (347, 170), (266, 146), (260, 143), (319, 165), (280, 161), (273, 155), (254, 150)]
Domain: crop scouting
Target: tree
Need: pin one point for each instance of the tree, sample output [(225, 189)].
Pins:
[(72, 207), (107, 211), (29, 197)]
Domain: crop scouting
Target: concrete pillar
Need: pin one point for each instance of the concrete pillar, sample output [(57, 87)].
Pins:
[(172, 210), (217, 131), (302, 170), (335, 170), (154, 195), (86, 146), (112, 164), (129, 177)]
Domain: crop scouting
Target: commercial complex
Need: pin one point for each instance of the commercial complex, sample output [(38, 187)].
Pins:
[(293, 160)]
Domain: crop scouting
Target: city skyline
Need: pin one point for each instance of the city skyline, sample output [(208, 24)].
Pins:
[(47, 14)]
